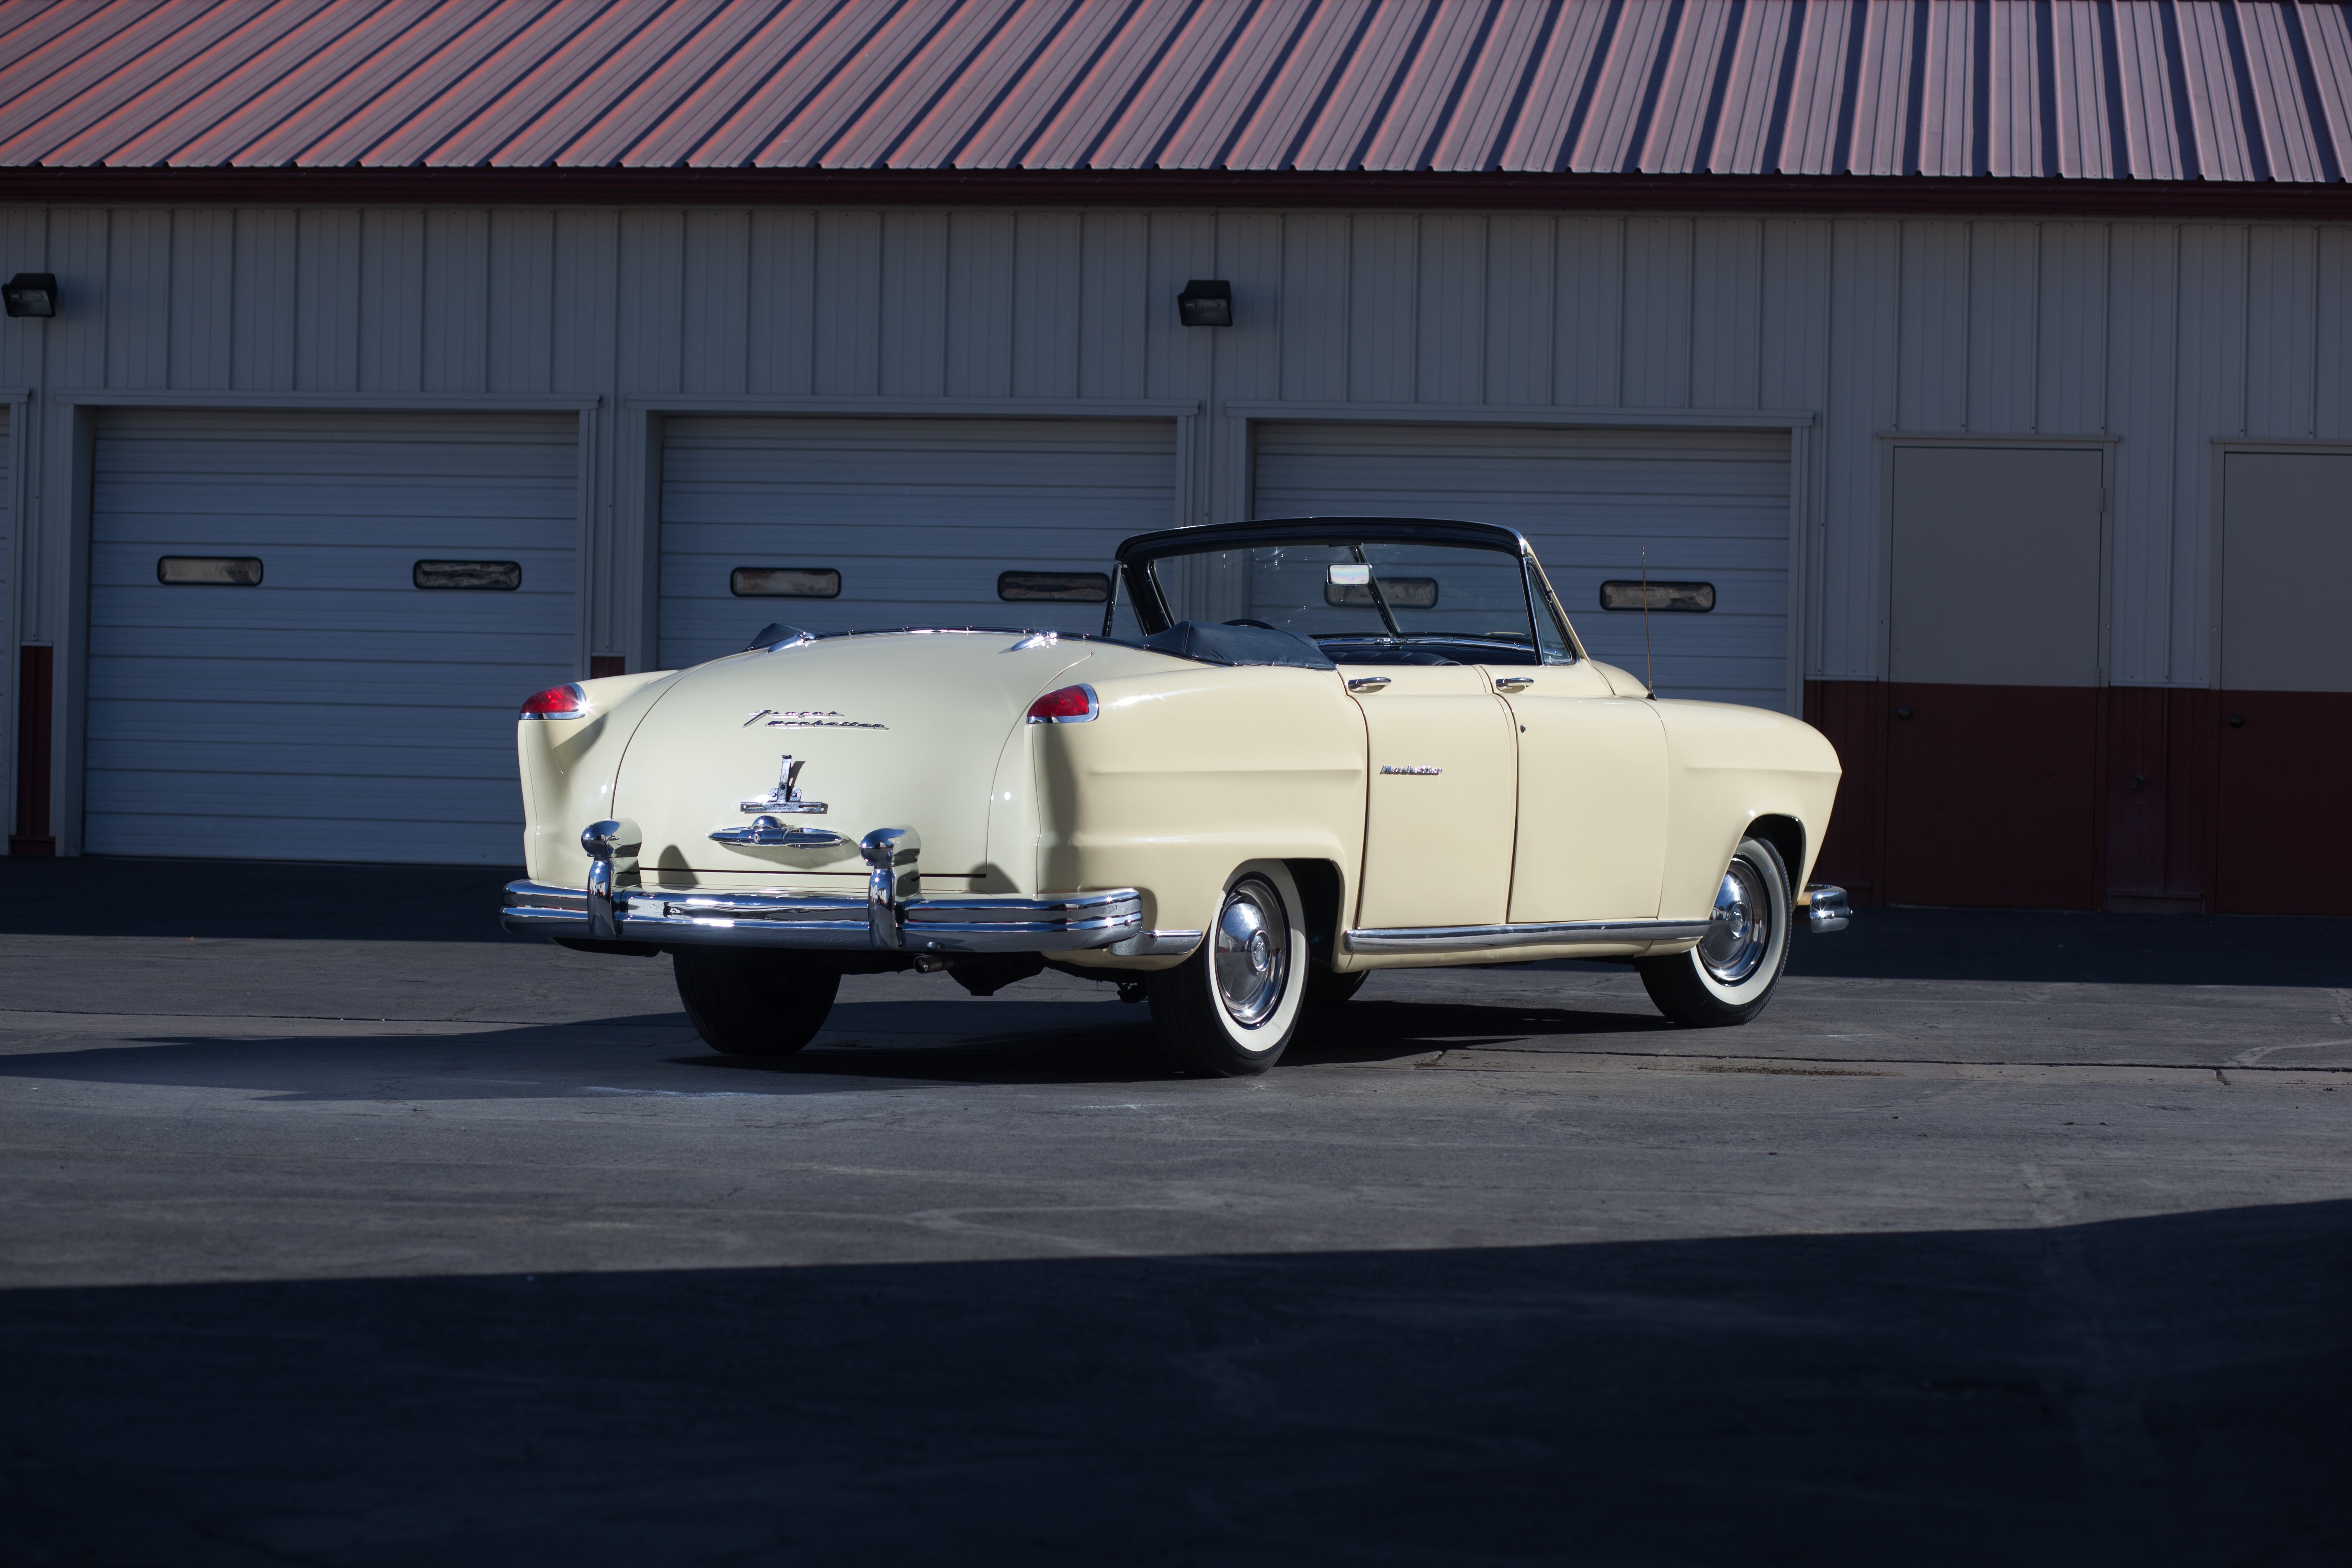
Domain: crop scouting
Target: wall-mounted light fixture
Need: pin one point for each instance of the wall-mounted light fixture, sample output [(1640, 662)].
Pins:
[(31, 294), (1206, 302)]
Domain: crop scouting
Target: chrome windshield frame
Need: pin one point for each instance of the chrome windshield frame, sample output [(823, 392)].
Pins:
[(1133, 578)]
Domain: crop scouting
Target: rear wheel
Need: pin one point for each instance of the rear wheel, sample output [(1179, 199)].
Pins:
[(1229, 1010), (755, 1002), (1731, 975)]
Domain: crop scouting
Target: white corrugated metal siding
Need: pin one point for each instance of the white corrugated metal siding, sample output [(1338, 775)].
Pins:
[(7, 535), (918, 516), (1708, 505), (2162, 336), (336, 711)]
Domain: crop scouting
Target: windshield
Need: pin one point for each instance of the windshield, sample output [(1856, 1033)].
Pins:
[(1371, 603)]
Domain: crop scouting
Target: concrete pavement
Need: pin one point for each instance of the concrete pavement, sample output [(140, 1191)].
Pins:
[(338, 1229)]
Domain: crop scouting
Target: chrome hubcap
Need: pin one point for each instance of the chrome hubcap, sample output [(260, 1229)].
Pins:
[(1742, 926), (1251, 959)]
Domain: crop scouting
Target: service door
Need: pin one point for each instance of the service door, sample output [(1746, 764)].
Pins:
[(309, 632), (838, 524), (1708, 506), (1438, 815), (1993, 702), (2286, 683)]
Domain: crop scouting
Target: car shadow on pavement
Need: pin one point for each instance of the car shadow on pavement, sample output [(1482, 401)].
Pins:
[(612, 1058), (870, 1043), (1112, 1042), (2175, 1389)]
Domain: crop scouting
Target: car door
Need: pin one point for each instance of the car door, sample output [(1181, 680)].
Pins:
[(1591, 842), (1443, 778)]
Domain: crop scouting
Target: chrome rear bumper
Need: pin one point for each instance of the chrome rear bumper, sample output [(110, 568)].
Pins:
[(974, 922)]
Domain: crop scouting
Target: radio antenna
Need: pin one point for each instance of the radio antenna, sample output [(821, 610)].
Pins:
[(1649, 681)]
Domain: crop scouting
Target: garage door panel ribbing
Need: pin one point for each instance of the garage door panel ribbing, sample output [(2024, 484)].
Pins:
[(1708, 505), (336, 711), (414, 752), (333, 643), (919, 516)]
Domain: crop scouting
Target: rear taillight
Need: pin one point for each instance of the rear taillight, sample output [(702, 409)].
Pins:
[(566, 701), (1070, 705)]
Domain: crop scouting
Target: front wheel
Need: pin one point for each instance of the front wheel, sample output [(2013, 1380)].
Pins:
[(1729, 975), (1229, 1010), (755, 1002)]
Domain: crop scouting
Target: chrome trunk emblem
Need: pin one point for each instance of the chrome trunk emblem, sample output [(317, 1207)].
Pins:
[(786, 796)]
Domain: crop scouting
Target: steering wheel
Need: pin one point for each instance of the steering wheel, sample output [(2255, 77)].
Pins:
[(1246, 622)]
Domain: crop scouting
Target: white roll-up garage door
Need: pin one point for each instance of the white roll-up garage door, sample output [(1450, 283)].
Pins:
[(1710, 506), (914, 522), (357, 703)]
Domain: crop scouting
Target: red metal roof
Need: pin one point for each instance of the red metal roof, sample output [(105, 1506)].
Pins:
[(2168, 89)]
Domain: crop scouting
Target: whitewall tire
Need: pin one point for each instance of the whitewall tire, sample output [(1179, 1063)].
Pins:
[(1230, 1009), (1731, 975)]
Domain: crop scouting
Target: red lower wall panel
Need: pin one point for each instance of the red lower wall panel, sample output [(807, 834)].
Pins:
[(2159, 796), (1853, 715), (2070, 797), (1962, 795), (2023, 795), (2281, 845), (1993, 796)]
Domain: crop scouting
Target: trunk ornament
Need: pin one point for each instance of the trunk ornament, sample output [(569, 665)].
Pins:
[(785, 798)]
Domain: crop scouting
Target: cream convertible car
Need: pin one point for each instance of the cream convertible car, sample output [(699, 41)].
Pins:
[(1320, 747)]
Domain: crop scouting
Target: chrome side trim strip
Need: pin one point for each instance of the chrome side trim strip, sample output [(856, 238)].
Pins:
[(968, 922), (1571, 933), (1825, 908)]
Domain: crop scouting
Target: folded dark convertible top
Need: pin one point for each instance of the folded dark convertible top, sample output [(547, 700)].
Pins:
[(1213, 643)]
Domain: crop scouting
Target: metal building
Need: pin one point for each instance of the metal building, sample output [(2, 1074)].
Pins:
[(1988, 364)]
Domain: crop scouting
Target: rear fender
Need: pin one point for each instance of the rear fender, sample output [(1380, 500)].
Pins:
[(1185, 776)]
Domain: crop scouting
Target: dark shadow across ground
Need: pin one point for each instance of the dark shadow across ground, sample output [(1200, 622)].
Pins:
[(2174, 1390)]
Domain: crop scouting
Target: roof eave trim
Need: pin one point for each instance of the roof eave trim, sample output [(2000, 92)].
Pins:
[(1182, 188)]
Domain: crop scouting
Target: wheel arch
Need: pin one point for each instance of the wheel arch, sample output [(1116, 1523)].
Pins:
[(1322, 890), (1787, 835)]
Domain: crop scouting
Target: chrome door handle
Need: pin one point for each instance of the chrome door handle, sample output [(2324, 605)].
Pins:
[(1368, 683), (767, 833), (1512, 685)]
